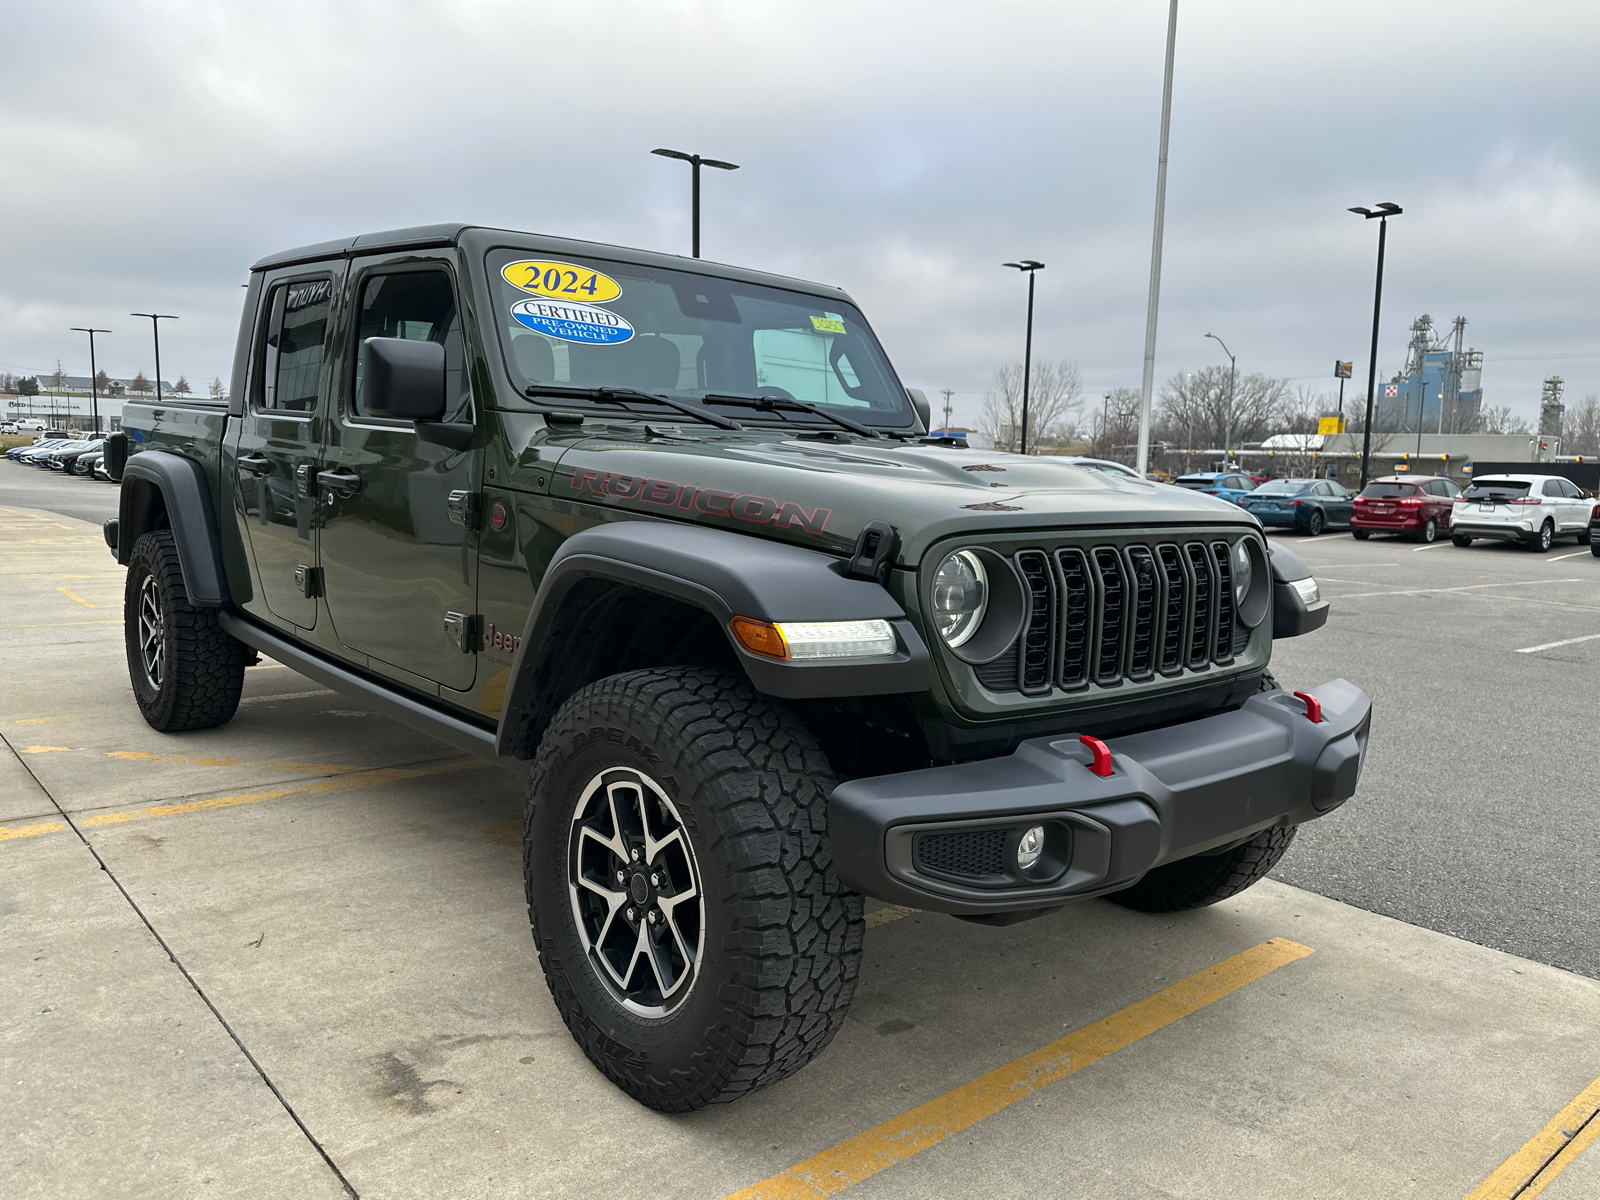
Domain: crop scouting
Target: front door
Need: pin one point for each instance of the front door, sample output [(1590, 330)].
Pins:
[(399, 551), (279, 443)]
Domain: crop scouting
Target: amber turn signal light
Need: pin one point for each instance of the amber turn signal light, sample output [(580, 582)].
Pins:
[(759, 637)]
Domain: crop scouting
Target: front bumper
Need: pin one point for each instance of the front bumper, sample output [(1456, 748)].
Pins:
[(932, 839)]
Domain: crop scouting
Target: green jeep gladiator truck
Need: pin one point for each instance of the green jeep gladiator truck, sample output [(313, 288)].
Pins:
[(672, 539)]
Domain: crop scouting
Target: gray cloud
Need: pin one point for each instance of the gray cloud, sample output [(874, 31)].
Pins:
[(153, 150)]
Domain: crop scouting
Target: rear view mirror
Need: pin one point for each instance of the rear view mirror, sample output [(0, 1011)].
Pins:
[(402, 379)]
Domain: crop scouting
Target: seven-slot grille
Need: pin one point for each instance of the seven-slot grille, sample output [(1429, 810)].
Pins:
[(1105, 614)]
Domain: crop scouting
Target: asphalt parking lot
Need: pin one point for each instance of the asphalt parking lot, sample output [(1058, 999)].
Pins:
[(290, 956)]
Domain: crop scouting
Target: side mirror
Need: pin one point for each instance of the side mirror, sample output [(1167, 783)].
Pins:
[(402, 378), (919, 401), (116, 458)]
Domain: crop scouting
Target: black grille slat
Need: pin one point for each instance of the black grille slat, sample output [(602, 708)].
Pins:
[(1176, 608), (1222, 556), (979, 854), (1077, 618), (1036, 670), (1112, 626), (1144, 600), (1202, 614)]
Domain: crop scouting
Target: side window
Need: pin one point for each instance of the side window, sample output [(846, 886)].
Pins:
[(1431, 488), (296, 335), (1448, 489), (419, 305), (1323, 489), (1555, 488)]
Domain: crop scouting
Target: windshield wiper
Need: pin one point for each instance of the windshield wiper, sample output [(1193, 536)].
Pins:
[(624, 395), (778, 404)]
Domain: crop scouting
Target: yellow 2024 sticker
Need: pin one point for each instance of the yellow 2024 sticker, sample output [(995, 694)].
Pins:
[(567, 281), (828, 324)]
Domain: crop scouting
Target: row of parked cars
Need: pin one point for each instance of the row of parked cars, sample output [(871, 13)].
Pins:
[(55, 451), (1533, 510)]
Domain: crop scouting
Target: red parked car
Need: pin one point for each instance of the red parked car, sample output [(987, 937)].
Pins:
[(1416, 506)]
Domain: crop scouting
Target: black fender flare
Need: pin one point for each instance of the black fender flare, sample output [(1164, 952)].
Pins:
[(726, 574), (181, 483)]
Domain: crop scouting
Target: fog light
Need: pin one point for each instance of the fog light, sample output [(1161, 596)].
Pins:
[(1030, 847)]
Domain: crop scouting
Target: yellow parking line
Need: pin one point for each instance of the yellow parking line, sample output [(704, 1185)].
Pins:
[(75, 596), (864, 1155), (1529, 1171), (361, 779), (22, 831), (339, 784)]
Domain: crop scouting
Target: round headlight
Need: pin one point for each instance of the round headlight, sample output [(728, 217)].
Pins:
[(960, 596), (1242, 572)]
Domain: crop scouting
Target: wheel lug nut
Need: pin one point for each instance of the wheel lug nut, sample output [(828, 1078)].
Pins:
[(635, 856), (630, 914), (655, 881), (620, 876), (652, 918)]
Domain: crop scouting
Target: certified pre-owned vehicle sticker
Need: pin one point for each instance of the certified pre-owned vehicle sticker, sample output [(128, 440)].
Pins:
[(562, 280), (585, 323)]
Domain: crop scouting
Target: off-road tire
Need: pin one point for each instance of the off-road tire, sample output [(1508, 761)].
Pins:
[(1361, 535), (1457, 540), (1540, 540), (781, 936), (202, 666), (1207, 878)]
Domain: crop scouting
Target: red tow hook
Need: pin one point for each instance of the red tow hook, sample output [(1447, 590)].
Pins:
[(1313, 707), (1101, 765)]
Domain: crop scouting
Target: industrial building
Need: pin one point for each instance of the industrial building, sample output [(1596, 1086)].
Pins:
[(1441, 386)]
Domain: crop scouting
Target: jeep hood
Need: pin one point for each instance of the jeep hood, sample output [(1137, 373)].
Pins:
[(818, 492)]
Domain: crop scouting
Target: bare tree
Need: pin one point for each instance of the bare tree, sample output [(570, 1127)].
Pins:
[(1580, 427), (181, 388), (58, 379), (1116, 426), (1055, 400), (1193, 409), (1498, 418)]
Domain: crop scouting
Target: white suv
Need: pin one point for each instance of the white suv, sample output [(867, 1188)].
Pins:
[(1531, 509)]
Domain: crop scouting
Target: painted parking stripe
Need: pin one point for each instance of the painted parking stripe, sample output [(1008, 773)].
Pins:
[(1574, 554), (897, 1139), (1471, 587), (1549, 1152), (339, 784), (1563, 642)]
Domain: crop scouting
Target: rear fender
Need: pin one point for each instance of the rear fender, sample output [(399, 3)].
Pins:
[(164, 490)]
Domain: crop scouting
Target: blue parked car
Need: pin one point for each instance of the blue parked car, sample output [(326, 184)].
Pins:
[(1230, 485), (1309, 505), (15, 454)]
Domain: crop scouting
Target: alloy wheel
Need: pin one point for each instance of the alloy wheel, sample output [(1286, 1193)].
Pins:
[(152, 633), (635, 889)]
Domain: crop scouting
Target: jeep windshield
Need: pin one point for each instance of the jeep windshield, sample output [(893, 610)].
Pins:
[(567, 322)]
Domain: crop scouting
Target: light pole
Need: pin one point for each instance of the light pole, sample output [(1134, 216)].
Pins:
[(1227, 421), (1153, 306), (155, 332), (695, 163), (1027, 266), (94, 383), (1383, 212)]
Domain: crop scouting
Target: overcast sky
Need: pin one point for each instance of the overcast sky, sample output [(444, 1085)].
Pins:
[(152, 151)]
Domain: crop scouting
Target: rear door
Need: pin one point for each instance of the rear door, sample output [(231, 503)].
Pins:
[(279, 440), (399, 551)]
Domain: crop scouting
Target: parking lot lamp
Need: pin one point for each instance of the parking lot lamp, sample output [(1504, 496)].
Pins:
[(94, 383), (1383, 212), (155, 332), (1227, 421), (1027, 266), (695, 163)]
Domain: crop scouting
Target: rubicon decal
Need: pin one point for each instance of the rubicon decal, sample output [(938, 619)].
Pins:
[(713, 502)]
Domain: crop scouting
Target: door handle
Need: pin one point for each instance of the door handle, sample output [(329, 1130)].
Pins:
[(338, 481), (254, 464)]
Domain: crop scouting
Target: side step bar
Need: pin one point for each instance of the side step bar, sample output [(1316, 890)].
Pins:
[(452, 730)]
